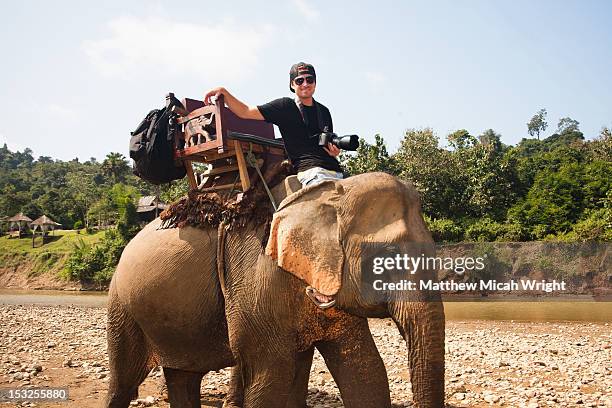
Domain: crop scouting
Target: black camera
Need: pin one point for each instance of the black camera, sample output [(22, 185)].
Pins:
[(348, 142)]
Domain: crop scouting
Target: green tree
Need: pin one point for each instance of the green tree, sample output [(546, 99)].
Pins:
[(491, 140), (601, 147), (12, 200), (434, 172), (567, 125), (44, 159), (25, 158), (553, 203), (490, 177), (537, 124), (551, 153), (461, 139), (84, 190), (174, 190), (115, 167), (370, 158), (102, 211), (573, 138), (596, 183), (95, 263), (444, 230)]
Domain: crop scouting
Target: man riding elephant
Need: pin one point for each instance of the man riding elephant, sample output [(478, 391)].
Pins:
[(195, 300), (199, 299), (299, 120)]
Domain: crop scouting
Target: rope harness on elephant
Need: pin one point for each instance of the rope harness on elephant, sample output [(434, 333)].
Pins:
[(252, 160), (221, 234)]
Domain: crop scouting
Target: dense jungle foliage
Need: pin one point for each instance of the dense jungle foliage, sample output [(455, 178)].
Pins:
[(474, 188), (479, 189)]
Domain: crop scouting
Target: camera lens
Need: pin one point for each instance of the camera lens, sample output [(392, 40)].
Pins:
[(350, 142)]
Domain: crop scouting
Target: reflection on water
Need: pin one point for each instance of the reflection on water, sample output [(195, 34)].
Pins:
[(52, 298), (542, 311)]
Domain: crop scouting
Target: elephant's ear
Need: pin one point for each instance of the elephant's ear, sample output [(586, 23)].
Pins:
[(305, 240)]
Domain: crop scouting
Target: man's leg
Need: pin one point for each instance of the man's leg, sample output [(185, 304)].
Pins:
[(316, 175)]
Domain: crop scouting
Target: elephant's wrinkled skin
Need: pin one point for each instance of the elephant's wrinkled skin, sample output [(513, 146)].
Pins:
[(168, 305)]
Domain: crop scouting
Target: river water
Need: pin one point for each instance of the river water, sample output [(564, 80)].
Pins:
[(52, 298), (536, 311)]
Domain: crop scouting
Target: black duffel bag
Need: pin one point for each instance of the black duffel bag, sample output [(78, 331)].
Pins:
[(152, 146)]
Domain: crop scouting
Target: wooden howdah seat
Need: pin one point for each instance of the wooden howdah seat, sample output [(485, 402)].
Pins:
[(229, 145)]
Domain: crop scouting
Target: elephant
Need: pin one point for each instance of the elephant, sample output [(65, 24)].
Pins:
[(199, 299)]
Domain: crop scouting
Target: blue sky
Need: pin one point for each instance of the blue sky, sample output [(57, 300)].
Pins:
[(76, 78)]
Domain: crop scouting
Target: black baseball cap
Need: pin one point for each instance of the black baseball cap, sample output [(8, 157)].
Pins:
[(301, 68)]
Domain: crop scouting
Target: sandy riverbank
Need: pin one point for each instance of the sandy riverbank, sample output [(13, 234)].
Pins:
[(488, 363)]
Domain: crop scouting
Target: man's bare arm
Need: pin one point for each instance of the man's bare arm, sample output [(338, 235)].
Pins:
[(235, 105), (332, 150)]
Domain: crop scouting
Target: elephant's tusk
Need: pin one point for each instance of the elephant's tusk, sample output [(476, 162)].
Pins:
[(322, 301)]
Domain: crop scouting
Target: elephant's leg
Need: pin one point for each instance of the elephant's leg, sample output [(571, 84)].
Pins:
[(235, 395), (183, 388), (128, 355), (299, 389), (354, 362), (267, 381)]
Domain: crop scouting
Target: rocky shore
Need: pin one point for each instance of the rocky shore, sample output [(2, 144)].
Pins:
[(513, 364)]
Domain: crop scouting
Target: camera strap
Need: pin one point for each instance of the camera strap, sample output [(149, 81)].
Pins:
[(300, 107)]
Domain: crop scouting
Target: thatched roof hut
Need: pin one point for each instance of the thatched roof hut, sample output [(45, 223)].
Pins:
[(149, 207), (148, 203), (21, 217), (44, 223), (20, 220)]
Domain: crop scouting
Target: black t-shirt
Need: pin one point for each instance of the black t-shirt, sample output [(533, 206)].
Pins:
[(303, 149)]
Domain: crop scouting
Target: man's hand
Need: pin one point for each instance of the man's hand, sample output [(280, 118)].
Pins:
[(332, 150), (239, 108), (213, 93)]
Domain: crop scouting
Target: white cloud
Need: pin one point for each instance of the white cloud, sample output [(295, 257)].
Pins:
[(61, 112), (306, 10), (376, 80), (139, 46)]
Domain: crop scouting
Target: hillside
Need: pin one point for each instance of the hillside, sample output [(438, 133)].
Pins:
[(22, 266), (584, 266)]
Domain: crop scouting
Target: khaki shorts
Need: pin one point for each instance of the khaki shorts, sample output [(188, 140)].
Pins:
[(316, 175)]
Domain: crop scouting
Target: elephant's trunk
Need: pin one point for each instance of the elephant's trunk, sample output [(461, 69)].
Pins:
[(422, 326)]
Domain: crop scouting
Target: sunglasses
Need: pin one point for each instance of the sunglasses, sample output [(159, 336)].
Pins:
[(308, 79)]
